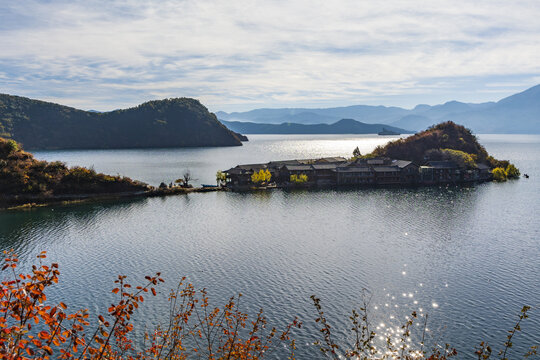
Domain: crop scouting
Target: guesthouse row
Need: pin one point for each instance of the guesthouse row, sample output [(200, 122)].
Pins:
[(338, 171)]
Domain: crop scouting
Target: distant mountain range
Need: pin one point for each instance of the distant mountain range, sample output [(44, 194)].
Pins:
[(519, 113), (161, 123), (343, 126)]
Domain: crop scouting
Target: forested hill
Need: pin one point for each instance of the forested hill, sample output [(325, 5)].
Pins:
[(162, 123), (434, 142)]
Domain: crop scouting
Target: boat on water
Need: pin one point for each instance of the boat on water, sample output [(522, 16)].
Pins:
[(388, 132), (209, 186)]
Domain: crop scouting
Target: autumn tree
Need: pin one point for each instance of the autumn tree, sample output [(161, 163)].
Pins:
[(512, 172), (221, 178), (261, 177), (499, 174), (185, 179), (299, 179), (33, 328)]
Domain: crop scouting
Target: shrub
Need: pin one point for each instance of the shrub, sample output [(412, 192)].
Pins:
[(499, 174), (263, 176), (33, 328), (12, 146), (512, 172), (299, 179)]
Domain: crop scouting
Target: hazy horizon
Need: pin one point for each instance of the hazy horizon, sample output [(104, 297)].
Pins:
[(251, 54)]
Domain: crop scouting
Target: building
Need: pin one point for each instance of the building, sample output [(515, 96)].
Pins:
[(337, 171)]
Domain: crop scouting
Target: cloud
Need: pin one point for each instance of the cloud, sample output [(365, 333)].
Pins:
[(103, 54)]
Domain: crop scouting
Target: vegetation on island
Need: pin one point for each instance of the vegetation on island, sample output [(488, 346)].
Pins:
[(503, 174), (261, 177), (445, 141), (298, 179), (221, 178), (33, 327), (162, 123), (21, 175)]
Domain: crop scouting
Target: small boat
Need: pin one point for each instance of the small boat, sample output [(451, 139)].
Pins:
[(388, 132), (526, 176), (209, 186)]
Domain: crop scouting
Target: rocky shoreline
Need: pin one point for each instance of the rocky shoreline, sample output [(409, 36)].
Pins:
[(22, 202)]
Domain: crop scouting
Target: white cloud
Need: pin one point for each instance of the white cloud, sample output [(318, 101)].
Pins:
[(264, 52)]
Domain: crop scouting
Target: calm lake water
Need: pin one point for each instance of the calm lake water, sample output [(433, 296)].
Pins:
[(470, 257)]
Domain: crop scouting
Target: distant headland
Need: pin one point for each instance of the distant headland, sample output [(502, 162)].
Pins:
[(343, 126), (179, 122)]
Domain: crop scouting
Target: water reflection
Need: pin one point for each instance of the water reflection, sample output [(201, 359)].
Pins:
[(471, 251)]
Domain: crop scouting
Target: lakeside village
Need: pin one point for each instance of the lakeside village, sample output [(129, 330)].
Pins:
[(338, 171)]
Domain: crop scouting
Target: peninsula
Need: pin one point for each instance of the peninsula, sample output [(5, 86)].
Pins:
[(26, 181), (443, 154), (179, 122)]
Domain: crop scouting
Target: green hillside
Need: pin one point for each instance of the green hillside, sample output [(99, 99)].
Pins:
[(163, 123)]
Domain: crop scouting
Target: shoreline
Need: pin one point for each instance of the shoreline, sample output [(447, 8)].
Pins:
[(31, 202)]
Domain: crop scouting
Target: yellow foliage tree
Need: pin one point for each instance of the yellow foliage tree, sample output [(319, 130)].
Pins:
[(299, 179), (512, 172), (499, 174), (263, 176)]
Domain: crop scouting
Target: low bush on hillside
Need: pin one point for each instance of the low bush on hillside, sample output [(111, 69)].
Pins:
[(21, 174)]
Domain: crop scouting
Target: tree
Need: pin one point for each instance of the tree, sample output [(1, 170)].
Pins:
[(12, 146), (512, 172), (227, 333), (356, 153), (221, 178), (299, 179), (185, 179), (499, 174), (263, 176)]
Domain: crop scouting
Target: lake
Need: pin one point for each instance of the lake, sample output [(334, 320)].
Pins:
[(468, 256)]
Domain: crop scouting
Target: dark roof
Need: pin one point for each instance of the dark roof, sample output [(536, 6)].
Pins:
[(401, 163), (252, 166), (335, 159), (324, 166), (234, 171), (442, 164), (353, 169), (385, 168), (299, 167), (278, 164), (378, 161)]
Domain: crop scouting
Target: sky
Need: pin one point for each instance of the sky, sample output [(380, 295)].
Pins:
[(236, 55)]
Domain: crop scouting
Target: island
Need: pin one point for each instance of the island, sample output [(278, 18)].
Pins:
[(177, 122), (446, 153)]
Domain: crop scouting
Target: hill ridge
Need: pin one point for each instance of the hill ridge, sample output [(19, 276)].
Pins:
[(172, 122)]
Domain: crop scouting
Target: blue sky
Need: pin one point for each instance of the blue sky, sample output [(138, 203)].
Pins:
[(239, 55)]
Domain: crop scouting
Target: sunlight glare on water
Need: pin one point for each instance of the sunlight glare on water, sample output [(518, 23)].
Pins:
[(466, 257)]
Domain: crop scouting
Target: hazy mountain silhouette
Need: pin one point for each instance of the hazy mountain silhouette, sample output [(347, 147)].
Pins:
[(343, 126), (519, 113)]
